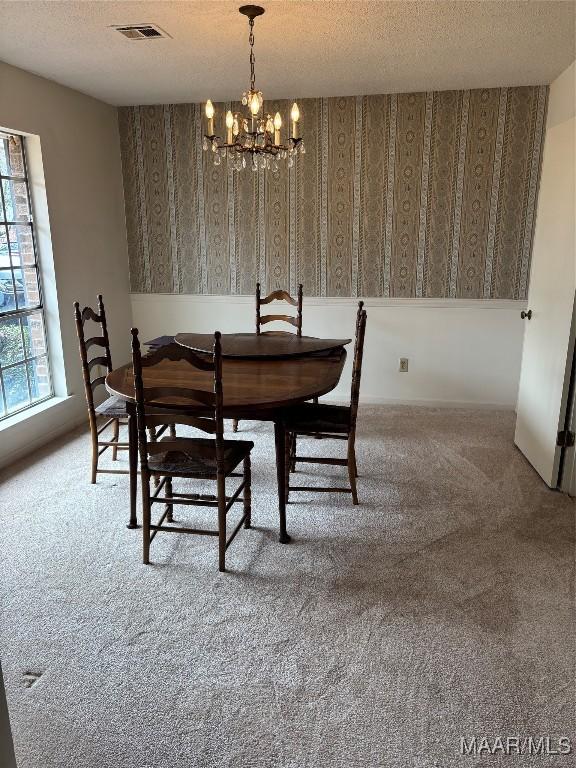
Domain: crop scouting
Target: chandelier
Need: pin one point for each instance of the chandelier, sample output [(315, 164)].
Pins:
[(255, 134)]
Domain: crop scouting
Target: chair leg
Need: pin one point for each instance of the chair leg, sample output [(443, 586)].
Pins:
[(94, 437), (287, 463), (168, 494), (247, 493), (352, 475), (292, 463), (318, 436), (221, 481), (153, 437), (145, 480), (234, 425), (355, 464), (115, 437), (133, 464)]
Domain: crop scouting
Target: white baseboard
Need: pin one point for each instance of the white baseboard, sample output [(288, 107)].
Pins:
[(466, 404)]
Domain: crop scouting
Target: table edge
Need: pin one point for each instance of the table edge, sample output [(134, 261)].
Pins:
[(229, 411)]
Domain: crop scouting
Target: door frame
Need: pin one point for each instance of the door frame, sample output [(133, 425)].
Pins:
[(7, 758), (567, 471)]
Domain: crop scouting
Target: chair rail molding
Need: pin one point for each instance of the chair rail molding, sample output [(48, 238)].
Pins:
[(337, 301)]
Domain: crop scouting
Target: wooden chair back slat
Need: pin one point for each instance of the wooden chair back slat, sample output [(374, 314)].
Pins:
[(361, 317), (177, 352), (97, 382), (89, 314), (104, 360), (283, 318), (276, 333), (95, 341), (153, 394), (279, 295), (150, 397)]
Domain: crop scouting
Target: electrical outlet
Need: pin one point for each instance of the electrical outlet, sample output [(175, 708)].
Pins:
[(403, 367)]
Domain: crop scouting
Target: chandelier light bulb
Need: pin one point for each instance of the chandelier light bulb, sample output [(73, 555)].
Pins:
[(277, 121), (295, 115), (254, 104), (210, 116), (229, 125)]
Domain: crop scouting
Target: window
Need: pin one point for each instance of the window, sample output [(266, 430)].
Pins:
[(24, 369)]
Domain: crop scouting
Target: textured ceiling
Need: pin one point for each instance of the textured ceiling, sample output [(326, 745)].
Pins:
[(315, 48)]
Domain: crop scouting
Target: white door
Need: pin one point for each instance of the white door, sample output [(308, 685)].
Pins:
[(548, 339)]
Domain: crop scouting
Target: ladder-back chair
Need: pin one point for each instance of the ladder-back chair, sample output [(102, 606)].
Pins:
[(294, 320), (279, 295), (188, 457), (337, 422), (113, 409)]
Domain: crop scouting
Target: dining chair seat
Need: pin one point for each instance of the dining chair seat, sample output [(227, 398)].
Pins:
[(200, 462), (113, 408), (319, 417)]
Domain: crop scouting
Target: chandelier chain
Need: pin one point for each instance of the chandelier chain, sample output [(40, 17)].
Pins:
[(252, 57)]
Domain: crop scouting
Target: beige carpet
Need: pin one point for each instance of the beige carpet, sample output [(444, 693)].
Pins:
[(440, 608)]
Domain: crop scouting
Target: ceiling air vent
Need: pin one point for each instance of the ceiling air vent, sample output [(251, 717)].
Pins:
[(141, 32)]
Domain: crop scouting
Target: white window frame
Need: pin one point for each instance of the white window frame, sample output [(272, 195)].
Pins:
[(45, 260)]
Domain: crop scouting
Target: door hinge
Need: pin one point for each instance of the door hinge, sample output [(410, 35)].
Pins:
[(565, 438)]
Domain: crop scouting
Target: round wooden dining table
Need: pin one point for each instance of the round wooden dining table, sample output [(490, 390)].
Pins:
[(256, 387)]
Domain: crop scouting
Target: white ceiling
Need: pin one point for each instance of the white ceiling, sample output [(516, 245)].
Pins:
[(313, 48)]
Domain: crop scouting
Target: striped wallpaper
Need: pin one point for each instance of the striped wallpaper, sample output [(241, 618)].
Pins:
[(408, 195)]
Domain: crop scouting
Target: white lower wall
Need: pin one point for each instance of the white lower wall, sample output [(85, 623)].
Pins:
[(460, 352)]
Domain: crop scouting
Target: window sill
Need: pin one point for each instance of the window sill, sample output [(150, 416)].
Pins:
[(29, 413)]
